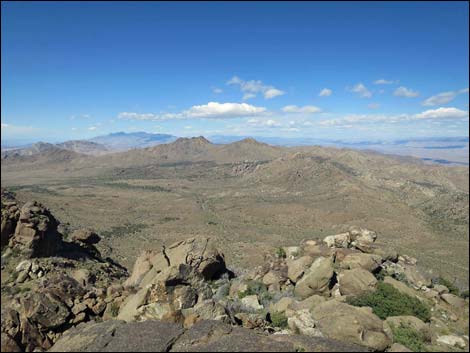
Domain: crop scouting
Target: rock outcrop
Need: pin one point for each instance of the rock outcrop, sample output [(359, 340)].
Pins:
[(205, 336)]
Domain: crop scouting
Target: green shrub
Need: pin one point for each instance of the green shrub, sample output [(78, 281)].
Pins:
[(387, 301), (464, 294), (278, 319), (409, 337), (281, 253), (445, 282), (114, 309)]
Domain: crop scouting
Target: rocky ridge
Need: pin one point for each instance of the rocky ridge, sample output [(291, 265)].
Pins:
[(315, 296)]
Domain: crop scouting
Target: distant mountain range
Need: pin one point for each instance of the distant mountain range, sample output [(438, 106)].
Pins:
[(123, 141), (443, 150)]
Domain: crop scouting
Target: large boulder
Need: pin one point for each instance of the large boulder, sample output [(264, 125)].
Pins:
[(351, 324), (200, 254), (454, 300), (356, 281), (362, 239), (86, 236), (296, 268), (338, 241), (36, 231), (316, 279), (369, 262), (10, 216)]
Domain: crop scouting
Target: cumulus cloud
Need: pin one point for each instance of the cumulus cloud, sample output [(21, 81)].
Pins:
[(442, 113), (405, 92), (325, 92), (384, 82), (361, 90), (443, 97), (253, 87), (92, 128), (307, 109), (211, 110), (217, 90), (82, 116)]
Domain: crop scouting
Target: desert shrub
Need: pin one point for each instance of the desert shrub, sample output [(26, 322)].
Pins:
[(254, 288), (387, 301), (445, 282), (278, 319), (280, 253), (380, 275), (464, 294), (114, 309), (409, 337)]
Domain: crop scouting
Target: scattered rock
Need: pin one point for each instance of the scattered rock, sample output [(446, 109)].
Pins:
[(86, 236), (452, 341)]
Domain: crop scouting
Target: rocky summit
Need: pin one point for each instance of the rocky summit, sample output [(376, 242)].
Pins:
[(344, 293)]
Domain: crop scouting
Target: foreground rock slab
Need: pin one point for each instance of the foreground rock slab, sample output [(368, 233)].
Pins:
[(204, 336)]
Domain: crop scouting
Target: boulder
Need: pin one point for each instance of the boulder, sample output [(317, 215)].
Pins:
[(356, 281), (36, 231), (281, 305), (272, 277), (292, 251), (10, 216), (306, 304), (86, 236), (296, 268), (301, 322), (316, 279), (198, 253), (441, 289), (368, 262), (453, 300), (401, 287), (251, 301), (351, 324), (45, 309), (416, 278), (338, 241), (362, 239), (452, 341)]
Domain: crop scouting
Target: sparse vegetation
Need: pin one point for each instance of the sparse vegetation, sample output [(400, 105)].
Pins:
[(445, 282), (124, 230), (409, 337), (387, 301), (114, 309), (281, 253), (254, 288), (122, 185), (278, 319)]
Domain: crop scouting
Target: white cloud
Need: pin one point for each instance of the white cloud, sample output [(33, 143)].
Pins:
[(273, 92), (436, 114), (361, 90), (307, 109), (92, 128), (384, 82), (217, 90), (211, 110), (442, 113), (373, 106), (405, 92), (248, 96), (444, 97), (325, 92), (264, 123), (5, 125), (253, 87)]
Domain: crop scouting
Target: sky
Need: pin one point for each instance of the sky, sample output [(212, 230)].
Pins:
[(330, 70)]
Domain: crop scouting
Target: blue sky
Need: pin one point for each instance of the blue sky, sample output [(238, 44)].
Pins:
[(292, 69)]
